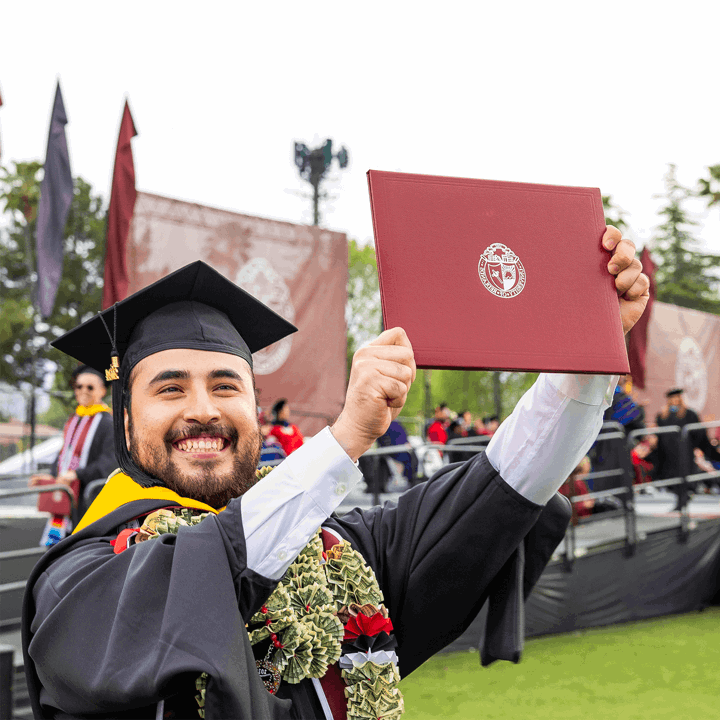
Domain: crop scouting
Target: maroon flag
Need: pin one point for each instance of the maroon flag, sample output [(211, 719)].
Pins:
[(120, 212), (637, 344)]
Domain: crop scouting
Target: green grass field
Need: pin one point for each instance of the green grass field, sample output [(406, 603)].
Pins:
[(663, 668)]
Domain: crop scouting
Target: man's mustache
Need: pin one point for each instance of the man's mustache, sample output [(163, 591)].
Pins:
[(226, 432)]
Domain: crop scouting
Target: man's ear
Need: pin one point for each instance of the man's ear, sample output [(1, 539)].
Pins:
[(127, 428)]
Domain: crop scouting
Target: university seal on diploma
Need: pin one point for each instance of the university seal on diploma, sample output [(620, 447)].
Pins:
[(501, 271)]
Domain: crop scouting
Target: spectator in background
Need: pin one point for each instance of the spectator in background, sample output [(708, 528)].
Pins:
[(467, 421), (271, 447), (396, 435), (288, 435), (478, 429), (577, 485), (644, 457), (87, 453), (675, 458), (456, 429), (491, 423), (437, 430), (624, 409), (612, 453)]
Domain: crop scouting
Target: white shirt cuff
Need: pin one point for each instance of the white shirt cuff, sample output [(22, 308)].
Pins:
[(281, 513), (586, 389)]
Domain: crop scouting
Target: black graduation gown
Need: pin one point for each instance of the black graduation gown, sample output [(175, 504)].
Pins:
[(108, 635), (675, 458)]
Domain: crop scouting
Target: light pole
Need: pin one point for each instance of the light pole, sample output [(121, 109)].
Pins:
[(313, 165)]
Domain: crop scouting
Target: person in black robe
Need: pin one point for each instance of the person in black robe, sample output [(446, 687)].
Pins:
[(118, 630), (675, 453)]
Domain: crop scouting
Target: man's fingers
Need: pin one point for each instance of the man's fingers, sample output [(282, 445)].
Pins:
[(395, 371), (623, 255), (611, 237), (639, 288), (398, 353), (627, 278), (384, 378), (393, 336), (392, 344)]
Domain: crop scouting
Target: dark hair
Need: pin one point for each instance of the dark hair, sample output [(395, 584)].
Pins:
[(277, 407), (82, 369)]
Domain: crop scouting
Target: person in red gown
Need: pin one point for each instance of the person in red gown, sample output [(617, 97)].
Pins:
[(288, 435)]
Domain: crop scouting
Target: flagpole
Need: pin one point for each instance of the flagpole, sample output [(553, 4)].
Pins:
[(31, 420)]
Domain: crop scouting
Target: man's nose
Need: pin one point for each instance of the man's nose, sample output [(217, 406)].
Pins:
[(201, 408)]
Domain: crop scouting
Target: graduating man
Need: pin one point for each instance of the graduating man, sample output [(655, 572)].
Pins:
[(194, 589)]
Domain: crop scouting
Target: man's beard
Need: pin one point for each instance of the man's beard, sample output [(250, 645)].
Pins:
[(205, 483)]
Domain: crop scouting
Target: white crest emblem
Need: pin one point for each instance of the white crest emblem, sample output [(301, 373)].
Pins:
[(691, 373), (260, 279), (501, 271)]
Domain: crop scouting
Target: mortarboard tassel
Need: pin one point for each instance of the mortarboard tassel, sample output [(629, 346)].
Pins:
[(112, 374)]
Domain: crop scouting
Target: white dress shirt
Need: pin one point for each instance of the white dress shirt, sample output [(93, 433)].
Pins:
[(534, 450), (284, 509)]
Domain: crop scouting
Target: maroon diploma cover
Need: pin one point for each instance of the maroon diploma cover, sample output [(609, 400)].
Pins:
[(497, 275)]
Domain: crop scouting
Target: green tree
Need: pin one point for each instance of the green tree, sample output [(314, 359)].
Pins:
[(25, 352), (614, 215), (709, 186), (363, 312), (684, 275), (466, 390)]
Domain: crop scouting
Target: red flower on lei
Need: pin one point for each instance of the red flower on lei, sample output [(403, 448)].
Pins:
[(360, 624)]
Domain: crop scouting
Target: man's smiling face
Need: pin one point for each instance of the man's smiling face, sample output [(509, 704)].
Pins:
[(193, 423)]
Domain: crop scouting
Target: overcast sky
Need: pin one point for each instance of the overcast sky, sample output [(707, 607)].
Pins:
[(571, 93)]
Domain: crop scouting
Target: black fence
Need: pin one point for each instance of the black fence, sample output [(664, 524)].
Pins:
[(618, 489), (627, 490)]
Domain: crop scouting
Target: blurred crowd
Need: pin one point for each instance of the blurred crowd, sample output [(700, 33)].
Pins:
[(657, 451), (446, 425)]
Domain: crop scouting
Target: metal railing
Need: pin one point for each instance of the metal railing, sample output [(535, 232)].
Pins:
[(627, 491), (29, 552), (624, 492)]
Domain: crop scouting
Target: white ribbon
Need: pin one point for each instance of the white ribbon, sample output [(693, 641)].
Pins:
[(359, 659)]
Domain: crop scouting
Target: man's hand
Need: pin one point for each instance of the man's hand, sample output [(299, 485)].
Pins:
[(632, 286), (68, 477), (380, 378), (42, 477)]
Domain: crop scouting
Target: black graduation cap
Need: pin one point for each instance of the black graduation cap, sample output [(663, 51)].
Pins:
[(195, 308)]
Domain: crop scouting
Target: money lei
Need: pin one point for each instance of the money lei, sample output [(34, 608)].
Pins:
[(301, 619)]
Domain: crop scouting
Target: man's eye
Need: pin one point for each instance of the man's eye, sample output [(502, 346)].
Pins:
[(225, 387), (171, 389)]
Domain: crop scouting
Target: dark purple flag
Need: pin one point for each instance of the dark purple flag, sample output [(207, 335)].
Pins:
[(56, 193)]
